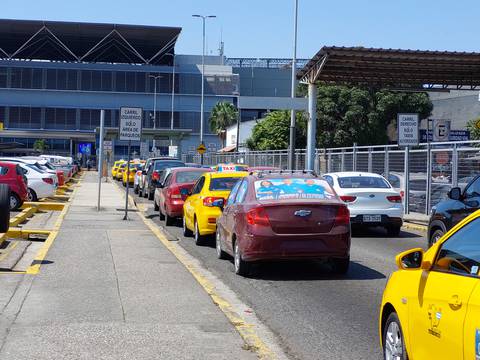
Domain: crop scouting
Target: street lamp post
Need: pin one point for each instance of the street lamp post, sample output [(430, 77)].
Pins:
[(291, 152), (203, 17), (155, 78)]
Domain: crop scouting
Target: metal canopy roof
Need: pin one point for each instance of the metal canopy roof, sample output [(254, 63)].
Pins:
[(390, 68), (86, 42)]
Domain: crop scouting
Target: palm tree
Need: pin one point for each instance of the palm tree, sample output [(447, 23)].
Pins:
[(223, 115)]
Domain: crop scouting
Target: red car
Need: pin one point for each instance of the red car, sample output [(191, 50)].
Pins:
[(174, 191), (12, 175), (275, 216)]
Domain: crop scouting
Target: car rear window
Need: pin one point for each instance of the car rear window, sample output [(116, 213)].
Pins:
[(223, 184), (3, 170), (188, 176), (362, 182), (162, 164), (293, 188)]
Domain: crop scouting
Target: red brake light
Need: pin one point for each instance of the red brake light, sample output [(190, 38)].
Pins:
[(395, 199), (402, 194), (258, 216), (48, 180), (348, 198), (156, 176), (208, 201), (343, 216)]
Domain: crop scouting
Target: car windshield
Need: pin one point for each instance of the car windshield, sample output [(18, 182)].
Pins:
[(163, 164), (223, 183), (293, 188), (188, 176), (362, 182)]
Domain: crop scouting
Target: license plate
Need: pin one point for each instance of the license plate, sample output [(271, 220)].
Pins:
[(372, 218)]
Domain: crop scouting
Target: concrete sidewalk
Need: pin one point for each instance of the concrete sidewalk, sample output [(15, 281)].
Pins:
[(109, 289)]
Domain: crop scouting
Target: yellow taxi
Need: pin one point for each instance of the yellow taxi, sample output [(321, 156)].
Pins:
[(120, 170), (431, 305), (131, 174), (230, 167), (116, 166), (199, 213)]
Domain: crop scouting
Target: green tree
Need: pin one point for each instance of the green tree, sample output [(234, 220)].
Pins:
[(223, 115), (273, 132), (472, 127), (40, 145)]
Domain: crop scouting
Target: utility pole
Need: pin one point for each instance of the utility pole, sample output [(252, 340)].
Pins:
[(291, 152), (154, 77)]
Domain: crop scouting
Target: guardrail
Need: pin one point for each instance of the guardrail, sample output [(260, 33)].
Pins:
[(432, 168)]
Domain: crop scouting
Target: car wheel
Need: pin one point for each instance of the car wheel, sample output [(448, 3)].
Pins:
[(340, 266), (393, 344), (4, 208), (186, 231), (394, 230), (32, 195), (198, 237), (437, 234), (169, 221), (15, 202), (241, 266), (222, 255)]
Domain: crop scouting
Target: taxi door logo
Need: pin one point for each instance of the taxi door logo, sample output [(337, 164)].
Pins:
[(434, 315), (477, 344)]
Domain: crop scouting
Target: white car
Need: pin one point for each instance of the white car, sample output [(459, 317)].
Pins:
[(40, 183), (371, 199)]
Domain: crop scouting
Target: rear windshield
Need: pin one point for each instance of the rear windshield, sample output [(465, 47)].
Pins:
[(188, 176), (162, 164), (363, 182), (293, 188), (222, 184)]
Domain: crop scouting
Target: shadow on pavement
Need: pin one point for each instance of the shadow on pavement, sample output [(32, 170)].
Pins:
[(380, 233)]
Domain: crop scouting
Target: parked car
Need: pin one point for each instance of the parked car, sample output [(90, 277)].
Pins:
[(131, 174), (199, 213), (170, 196), (45, 165), (195, 165), (370, 198), (40, 184), (262, 168), (116, 166), (12, 175), (230, 167), (447, 213), (430, 306), (151, 173), (283, 216), (34, 164)]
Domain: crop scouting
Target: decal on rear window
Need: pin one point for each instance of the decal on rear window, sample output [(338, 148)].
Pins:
[(296, 188)]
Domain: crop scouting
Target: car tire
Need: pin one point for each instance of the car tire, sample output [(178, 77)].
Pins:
[(186, 231), (393, 340), (242, 267), (32, 195), (199, 239), (222, 255), (341, 265), (4, 208), (15, 201), (394, 230), (437, 234), (169, 221)]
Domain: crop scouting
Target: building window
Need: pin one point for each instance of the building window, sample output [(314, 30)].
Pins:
[(24, 118), (89, 119), (60, 119), (3, 77)]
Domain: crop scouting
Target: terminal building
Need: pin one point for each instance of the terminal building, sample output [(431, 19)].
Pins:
[(56, 77)]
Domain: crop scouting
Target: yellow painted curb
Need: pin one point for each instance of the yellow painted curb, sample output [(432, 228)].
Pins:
[(417, 227)]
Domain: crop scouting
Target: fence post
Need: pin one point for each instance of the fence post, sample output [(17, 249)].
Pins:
[(406, 172), (354, 157), (386, 165), (370, 159), (455, 166), (428, 195), (343, 160), (329, 162)]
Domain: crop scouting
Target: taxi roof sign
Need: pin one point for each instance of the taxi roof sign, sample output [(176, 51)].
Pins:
[(201, 149)]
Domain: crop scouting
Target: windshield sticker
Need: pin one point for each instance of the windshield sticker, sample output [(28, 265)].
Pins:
[(300, 188)]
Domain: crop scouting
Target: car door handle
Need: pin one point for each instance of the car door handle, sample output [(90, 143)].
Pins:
[(455, 301)]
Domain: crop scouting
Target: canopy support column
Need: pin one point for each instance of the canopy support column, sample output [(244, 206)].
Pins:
[(311, 126)]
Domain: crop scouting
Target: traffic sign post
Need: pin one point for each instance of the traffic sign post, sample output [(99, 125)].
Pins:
[(441, 130), (201, 149), (130, 129)]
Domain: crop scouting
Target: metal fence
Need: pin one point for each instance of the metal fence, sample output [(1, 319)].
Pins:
[(433, 168)]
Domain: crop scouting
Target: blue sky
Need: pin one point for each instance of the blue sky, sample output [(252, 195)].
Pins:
[(263, 28)]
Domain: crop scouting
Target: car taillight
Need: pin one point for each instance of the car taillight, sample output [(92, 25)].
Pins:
[(343, 216), (258, 216), (155, 176), (208, 201), (402, 194), (394, 199), (175, 194), (48, 180), (348, 198)]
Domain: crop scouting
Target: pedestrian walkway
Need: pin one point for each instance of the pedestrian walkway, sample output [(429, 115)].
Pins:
[(109, 289)]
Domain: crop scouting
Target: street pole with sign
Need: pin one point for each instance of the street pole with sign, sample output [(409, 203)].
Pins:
[(408, 135), (100, 157), (130, 129)]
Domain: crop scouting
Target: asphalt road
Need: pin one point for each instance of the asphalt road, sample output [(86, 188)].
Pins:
[(315, 314)]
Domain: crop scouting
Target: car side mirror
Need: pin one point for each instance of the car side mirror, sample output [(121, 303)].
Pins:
[(410, 259), (220, 203), (455, 194)]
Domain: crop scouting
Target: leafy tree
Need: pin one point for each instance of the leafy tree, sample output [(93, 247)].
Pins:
[(40, 145), (273, 132), (223, 115), (474, 131)]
